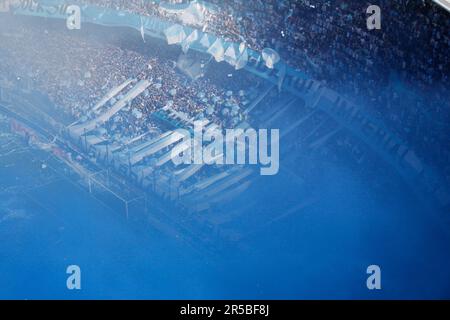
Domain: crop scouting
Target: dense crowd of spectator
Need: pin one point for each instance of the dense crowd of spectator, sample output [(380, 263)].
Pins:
[(325, 37), (400, 73), (77, 72), (330, 41)]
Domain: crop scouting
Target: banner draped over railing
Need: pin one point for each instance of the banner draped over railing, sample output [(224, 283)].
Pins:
[(185, 36)]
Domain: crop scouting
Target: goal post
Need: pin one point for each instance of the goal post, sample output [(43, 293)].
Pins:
[(118, 195)]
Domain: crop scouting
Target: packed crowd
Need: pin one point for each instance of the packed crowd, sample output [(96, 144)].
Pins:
[(329, 40), (326, 39), (77, 72)]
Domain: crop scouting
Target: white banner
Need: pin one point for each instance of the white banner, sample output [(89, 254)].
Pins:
[(444, 3)]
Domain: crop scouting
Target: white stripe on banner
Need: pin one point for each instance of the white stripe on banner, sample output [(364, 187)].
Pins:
[(444, 3)]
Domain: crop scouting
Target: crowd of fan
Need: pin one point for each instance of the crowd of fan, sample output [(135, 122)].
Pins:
[(324, 38), (77, 72), (329, 40)]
